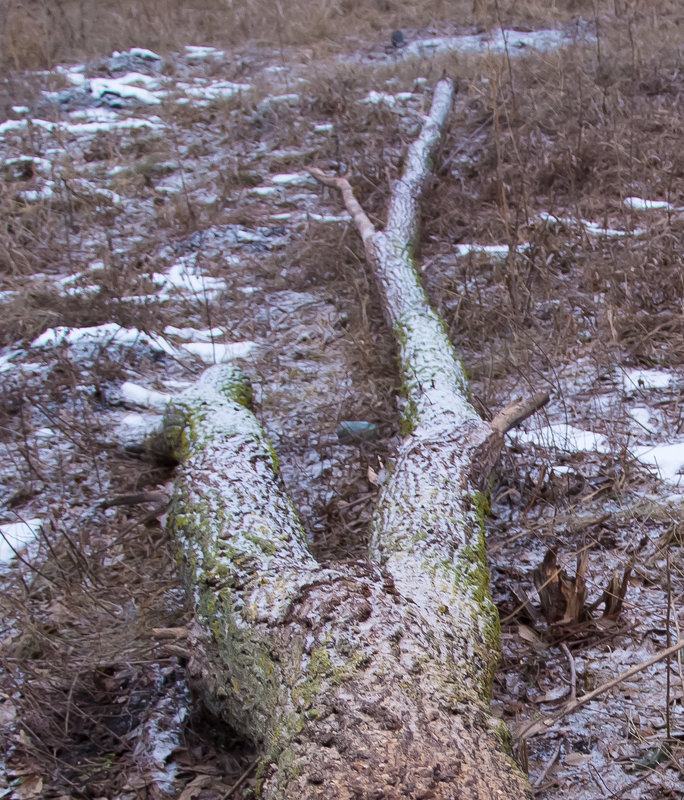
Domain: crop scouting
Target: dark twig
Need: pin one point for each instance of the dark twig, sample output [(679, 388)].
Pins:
[(241, 779), (538, 782)]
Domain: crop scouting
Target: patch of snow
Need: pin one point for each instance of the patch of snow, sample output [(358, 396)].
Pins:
[(646, 379), (81, 128), (141, 52), (640, 204), (199, 51), (181, 278), (590, 228), (5, 360), (643, 415), (142, 299), (16, 536), (133, 427), (45, 192), (170, 185), (289, 99), (325, 127), (495, 250), (293, 179), (330, 217), (20, 109), (44, 433), (73, 74), (147, 398), (595, 229), (119, 87), (38, 164), (149, 81), (675, 498), (248, 235), (495, 42), (263, 191), (562, 469), (566, 438), (213, 353), (78, 291), (102, 335), (274, 100), (667, 459), (104, 114), (177, 386), (378, 98), (193, 335), (218, 90)]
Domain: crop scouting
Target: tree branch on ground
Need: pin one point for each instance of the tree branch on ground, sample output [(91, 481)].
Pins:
[(364, 679)]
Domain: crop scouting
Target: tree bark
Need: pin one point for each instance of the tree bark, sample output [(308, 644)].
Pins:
[(358, 680)]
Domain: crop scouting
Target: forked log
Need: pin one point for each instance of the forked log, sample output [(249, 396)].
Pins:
[(358, 680)]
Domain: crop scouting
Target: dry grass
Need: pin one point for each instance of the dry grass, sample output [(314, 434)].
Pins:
[(40, 34), (571, 133)]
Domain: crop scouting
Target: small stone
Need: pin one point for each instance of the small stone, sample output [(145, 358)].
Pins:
[(397, 39), (351, 431)]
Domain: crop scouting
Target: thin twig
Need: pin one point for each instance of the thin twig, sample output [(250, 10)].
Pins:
[(534, 727), (242, 778), (68, 705), (547, 767), (668, 641), (573, 672)]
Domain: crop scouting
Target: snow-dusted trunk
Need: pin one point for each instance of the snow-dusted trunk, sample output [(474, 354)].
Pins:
[(428, 528), (367, 679)]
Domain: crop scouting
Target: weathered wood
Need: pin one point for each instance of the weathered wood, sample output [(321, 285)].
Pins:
[(367, 679)]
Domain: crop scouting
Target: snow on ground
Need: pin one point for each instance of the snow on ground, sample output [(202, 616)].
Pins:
[(378, 98), (636, 379), (15, 537), (640, 204), (216, 353), (124, 87), (185, 279), (140, 396), (667, 460), (87, 340), (134, 427), (564, 438)]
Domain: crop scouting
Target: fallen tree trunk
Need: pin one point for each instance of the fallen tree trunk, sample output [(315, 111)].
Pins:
[(357, 680)]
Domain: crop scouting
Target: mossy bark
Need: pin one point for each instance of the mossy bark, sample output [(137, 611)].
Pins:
[(357, 680), (351, 682)]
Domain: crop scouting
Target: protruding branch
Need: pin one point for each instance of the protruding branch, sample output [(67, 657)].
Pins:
[(363, 224), (518, 411)]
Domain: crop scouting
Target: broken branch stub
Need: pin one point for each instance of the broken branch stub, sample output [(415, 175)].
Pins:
[(356, 679)]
